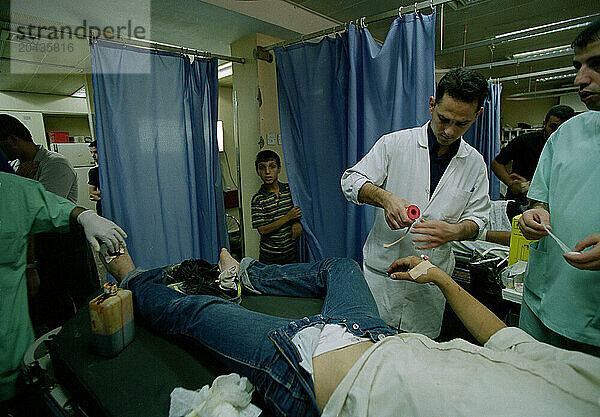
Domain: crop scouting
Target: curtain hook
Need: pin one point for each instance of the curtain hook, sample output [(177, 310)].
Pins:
[(400, 12), (416, 10), (363, 24), (432, 6)]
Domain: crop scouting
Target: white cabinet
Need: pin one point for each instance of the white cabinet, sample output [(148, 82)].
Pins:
[(78, 154)]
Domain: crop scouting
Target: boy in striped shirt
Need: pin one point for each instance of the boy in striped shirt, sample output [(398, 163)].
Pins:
[(274, 214)]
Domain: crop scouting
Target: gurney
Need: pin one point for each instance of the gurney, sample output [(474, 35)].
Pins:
[(139, 380)]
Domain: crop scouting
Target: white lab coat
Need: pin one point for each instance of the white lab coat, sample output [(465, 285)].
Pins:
[(399, 163)]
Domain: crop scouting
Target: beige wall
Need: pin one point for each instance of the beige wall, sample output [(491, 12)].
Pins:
[(574, 101), (226, 115), (254, 121), (532, 112)]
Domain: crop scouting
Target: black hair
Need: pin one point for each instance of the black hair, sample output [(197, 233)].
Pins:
[(94, 144), (590, 34), (561, 112), (463, 85), (10, 125), (266, 155)]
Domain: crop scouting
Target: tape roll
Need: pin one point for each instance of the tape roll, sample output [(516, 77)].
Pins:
[(413, 212)]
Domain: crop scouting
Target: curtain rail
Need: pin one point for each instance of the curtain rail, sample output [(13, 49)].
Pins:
[(173, 48), (365, 20), (143, 44), (531, 74), (516, 61)]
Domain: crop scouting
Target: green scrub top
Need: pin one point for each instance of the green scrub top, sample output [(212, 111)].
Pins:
[(25, 207), (564, 298)]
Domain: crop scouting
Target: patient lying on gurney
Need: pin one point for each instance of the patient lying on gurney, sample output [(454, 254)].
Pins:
[(346, 361)]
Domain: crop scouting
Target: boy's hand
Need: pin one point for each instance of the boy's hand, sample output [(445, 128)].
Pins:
[(296, 230), (294, 213)]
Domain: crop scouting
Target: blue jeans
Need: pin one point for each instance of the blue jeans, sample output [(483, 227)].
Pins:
[(256, 345)]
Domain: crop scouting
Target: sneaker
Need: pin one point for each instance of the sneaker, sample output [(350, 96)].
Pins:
[(195, 276)]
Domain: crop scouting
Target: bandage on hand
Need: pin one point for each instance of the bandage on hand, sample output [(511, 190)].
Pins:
[(420, 269)]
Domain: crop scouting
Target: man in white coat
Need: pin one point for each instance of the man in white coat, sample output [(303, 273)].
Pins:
[(433, 168)]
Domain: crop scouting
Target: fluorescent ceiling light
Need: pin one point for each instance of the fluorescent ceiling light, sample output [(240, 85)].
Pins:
[(556, 77), (548, 25), (540, 52), (225, 70)]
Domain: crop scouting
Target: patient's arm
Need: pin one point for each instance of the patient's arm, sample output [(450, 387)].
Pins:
[(119, 266), (476, 317)]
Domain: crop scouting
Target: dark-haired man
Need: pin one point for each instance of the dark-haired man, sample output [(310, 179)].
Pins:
[(561, 299), (524, 152), (50, 168), (274, 214), (433, 168)]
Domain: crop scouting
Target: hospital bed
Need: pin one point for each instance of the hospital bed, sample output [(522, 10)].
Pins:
[(138, 381)]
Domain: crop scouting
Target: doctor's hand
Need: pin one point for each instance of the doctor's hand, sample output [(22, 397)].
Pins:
[(395, 212), (589, 260), (437, 233), (100, 230), (531, 221)]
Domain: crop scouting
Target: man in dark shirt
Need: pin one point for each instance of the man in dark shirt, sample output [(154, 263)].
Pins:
[(94, 179), (524, 152)]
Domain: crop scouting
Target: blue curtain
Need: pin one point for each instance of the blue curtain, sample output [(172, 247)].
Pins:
[(160, 177), (336, 98), (484, 135)]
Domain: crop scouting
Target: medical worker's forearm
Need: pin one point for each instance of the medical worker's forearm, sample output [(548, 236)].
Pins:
[(476, 317), (539, 204), (371, 194), (501, 172), (467, 229), (76, 212)]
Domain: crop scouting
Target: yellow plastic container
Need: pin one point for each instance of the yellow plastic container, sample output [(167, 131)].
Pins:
[(519, 244), (111, 316)]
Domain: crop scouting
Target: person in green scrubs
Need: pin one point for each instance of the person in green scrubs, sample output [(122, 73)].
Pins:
[(561, 296), (27, 208)]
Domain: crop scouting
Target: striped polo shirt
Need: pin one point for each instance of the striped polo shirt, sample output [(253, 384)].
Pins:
[(267, 207)]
